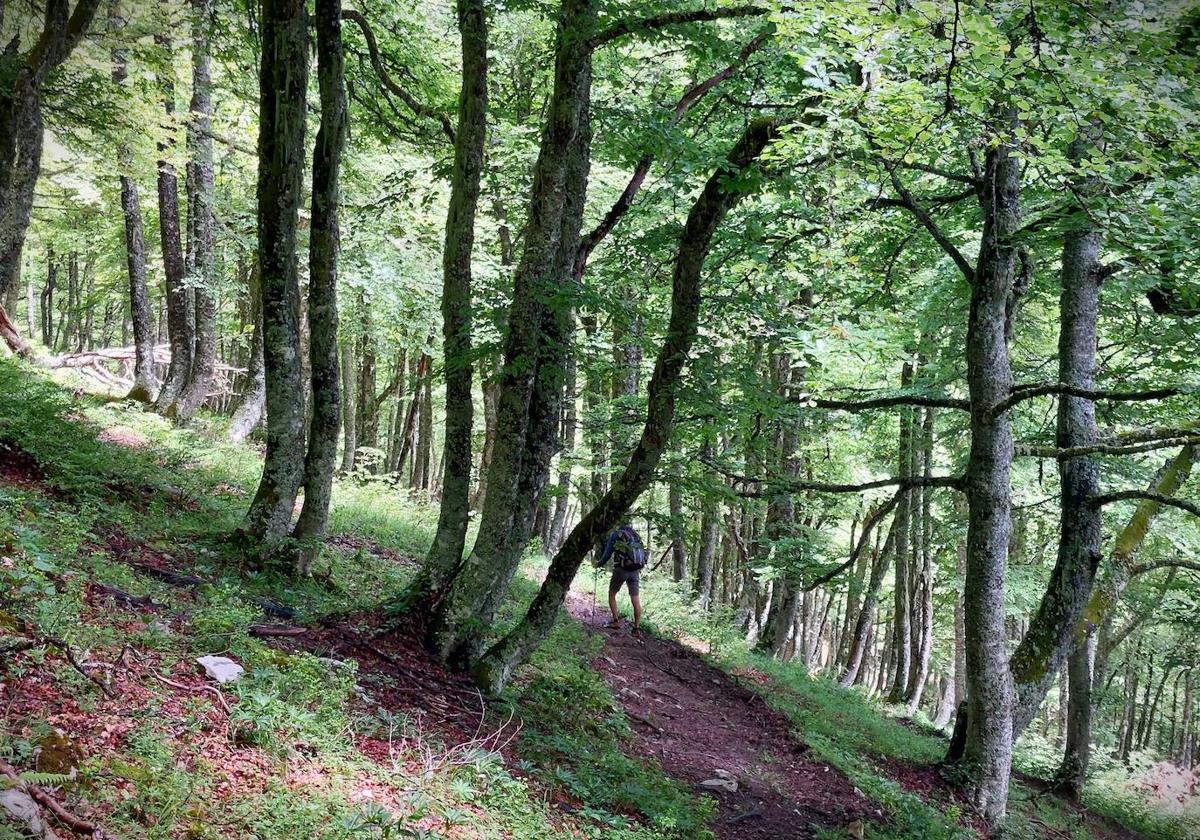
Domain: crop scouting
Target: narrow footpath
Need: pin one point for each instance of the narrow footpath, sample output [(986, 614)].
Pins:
[(722, 739)]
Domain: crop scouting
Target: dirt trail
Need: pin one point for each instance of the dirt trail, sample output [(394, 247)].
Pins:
[(702, 725)]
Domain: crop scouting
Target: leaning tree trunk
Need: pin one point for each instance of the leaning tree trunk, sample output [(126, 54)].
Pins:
[(866, 615), (527, 408), (709, 209), (446, 552), (323, 246), (283, 83), (21, 133), (180, 300), (201, 223), (988, 749)]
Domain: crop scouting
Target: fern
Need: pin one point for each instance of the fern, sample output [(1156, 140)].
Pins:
[(33, 777)]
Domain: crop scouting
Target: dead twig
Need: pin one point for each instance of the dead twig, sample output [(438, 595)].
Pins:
[(73, 822), (211, 689)]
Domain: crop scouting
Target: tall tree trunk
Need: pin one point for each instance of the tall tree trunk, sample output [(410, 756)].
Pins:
[(924, 588), (679, 571), (1052, 631), (570, 426), (283, 84), (323, 247), (706, 215), (201, 223), (349, 405), (446, 552), (988, 483), (707, 549), (423, 455), (866, 616), (901, 654), (180, 300), (530, 381)]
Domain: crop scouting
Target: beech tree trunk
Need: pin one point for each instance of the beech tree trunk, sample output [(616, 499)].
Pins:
[(349, 405), (283, 84), (1052, 631), (21, 134), (531, 378), (901, 628), (988, 484), (495, 669), (181, 331), (924, 588), (323, 247), (866, 615), (201, 222), (446, 552)]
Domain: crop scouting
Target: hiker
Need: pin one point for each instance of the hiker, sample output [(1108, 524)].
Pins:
[(624, 548)]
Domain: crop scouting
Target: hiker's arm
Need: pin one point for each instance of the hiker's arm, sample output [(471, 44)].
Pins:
[(609, 544)]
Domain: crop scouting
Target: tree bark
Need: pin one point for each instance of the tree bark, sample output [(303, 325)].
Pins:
[(901, 653), (283, 84), (530, 381), (181, 331), (988, 483), (323, 248), (678, 527), (446, 552), (866, 615), (201, 222), (1052, 632), (706, 215), (349, 405)]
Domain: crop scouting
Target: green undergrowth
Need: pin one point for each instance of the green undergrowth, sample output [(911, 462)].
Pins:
[(101, 484)]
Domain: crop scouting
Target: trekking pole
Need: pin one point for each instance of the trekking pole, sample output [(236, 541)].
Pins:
[(595, 577)]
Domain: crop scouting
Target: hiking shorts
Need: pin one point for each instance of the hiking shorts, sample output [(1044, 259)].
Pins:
[(620, 577)]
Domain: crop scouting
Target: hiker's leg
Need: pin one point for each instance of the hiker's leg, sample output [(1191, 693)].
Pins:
[(614, 586), (637, 611)]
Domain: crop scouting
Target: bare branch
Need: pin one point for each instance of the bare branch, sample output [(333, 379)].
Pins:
[(1021, 393), (780, 486), (417, 107), (939, 236), (1104, 448), (869, 524), (1143, 568), (634, 26), (1159, 498), (886, 402)]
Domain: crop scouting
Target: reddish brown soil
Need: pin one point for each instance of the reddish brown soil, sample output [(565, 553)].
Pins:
[(696, 720), (18, 468)]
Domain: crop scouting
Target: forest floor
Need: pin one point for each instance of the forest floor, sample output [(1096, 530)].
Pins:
[(115, 575)]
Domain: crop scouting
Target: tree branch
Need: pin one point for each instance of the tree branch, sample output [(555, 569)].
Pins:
[(407, 98), (634, 26), (778, 487), (625, 201), (1104, 448), (939, 236), (1021, 393), (863, 539), (1143, 568), (1159, 498), (885, 402)]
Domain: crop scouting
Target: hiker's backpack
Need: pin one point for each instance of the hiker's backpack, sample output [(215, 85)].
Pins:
[(628, 552)]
